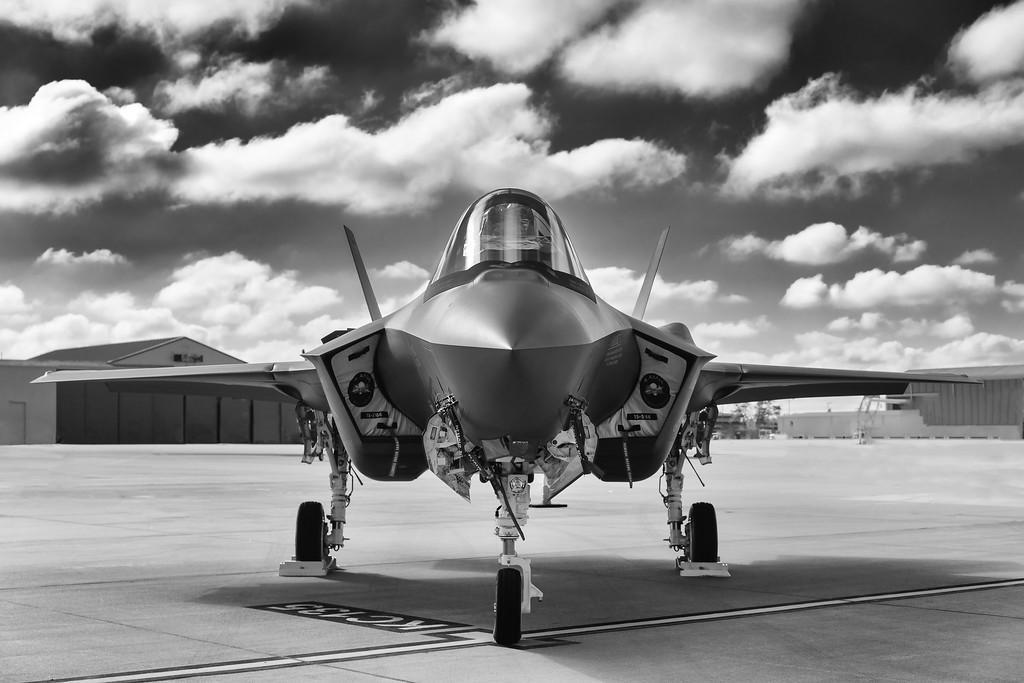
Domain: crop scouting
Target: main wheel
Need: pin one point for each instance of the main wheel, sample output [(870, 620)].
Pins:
[(508, 601), (703, 533), (310, 532)]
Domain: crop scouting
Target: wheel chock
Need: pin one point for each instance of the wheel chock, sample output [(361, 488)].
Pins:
[(720, 569), (296, 568)]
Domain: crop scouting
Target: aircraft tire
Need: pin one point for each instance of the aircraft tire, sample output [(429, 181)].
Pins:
[(703, 533), (508, 615), (310, 532)]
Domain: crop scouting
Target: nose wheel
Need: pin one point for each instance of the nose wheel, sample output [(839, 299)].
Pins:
[(508, 615), (514, 590)]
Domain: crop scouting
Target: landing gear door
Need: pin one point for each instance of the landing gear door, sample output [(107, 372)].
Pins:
[(644, 414), (359, 384)]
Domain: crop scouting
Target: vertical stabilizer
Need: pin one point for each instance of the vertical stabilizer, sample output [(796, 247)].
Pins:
[(652, 270), (364, 280)]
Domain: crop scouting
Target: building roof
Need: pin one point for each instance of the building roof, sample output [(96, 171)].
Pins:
[(103, 353), (984, 371), (110, 353)]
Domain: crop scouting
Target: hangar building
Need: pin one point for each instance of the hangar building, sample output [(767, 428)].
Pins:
[(89, 413), (994, 409)]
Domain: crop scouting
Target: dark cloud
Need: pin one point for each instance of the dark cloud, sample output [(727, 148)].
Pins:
[(111, 56), (876, 44), (70, 145), (366, 43)]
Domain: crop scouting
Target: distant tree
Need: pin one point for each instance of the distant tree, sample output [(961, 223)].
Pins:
[(766, 415), (743, 414)]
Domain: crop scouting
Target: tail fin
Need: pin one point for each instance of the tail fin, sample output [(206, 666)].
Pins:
[(364, 280), (652, 270)]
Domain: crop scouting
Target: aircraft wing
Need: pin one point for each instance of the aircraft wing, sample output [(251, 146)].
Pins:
[(741, 382), (283, 382)]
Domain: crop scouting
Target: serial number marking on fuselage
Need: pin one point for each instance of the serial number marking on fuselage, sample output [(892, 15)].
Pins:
[(385, 621)]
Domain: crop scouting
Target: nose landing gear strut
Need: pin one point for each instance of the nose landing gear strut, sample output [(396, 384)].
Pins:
[(514, 590)]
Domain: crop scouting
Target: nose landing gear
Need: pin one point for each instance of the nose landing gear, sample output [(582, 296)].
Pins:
[(514, 589)]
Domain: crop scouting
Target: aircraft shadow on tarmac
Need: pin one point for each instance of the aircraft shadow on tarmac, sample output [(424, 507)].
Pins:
[(593, 589)]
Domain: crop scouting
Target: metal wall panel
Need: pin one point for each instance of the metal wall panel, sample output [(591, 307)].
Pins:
[(235, 420), (168, 419), (266, 422), (997, 402), (135, 418), (100, 414), (289, 425), (201, 419), (70, 412)]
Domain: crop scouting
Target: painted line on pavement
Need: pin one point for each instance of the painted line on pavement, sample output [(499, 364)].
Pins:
[(452, 642), (770, 609), (478, 638)]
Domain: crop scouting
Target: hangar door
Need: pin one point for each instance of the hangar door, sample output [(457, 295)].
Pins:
[(90, 414)]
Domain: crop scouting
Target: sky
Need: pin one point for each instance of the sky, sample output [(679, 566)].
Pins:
[(844, 181)]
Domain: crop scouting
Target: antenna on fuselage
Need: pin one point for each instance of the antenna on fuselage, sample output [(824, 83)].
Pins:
[(652, 270), (364, 279)]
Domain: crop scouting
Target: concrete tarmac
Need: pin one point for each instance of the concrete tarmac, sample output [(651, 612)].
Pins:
[(896, 561)]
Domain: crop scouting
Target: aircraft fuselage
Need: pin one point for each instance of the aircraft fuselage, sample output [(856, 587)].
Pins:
[(511, 347)]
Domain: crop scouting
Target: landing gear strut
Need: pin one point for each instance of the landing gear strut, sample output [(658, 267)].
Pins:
[(315, 535), (695, 535), (514, 589)]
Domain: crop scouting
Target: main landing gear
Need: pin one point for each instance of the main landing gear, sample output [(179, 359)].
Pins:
[(316, 534), (695, 534)]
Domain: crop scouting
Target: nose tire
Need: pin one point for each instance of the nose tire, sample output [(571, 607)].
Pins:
[(508, 602)]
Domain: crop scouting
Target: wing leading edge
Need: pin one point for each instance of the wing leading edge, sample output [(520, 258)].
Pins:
[(724, 383), (283, 382)]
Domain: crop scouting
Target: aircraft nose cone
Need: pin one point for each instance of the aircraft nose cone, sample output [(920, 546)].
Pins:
[(512, 355), (513, 309)]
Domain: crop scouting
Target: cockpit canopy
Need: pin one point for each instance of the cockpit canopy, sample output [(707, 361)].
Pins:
[(509, 227)]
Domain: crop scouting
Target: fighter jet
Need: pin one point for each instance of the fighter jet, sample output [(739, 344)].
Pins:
[(506, 367)]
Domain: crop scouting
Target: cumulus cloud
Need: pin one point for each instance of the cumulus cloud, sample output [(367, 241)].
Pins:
[(922, 286), (740, 329), (868, 322), (433, 92), (826, 139), (233, 291), (516, 37), (620, 287), (957, 325), (403, 270), (239, 305), (15, 309), (78, 20), (954, 327), (245, 85), (824, 243), (71, 145), (806, 292), (63, 257), (1014, 301), (992, 47), (975, 256), (477, 139), (705, 48), (92, 318), (825, 350)]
